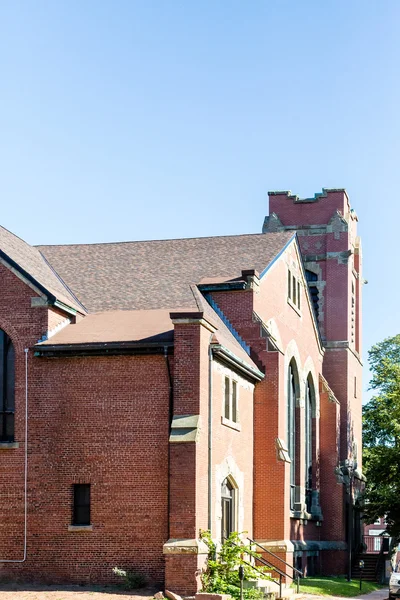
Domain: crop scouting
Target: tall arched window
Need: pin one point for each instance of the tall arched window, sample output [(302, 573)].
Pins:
[(7, 376), (291, 432), (308, 444), (228, 509)]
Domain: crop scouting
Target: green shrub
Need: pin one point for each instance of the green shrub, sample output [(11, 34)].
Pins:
[(130, 579), (221, 575)]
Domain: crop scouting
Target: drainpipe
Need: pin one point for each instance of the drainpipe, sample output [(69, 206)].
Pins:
[(171, 414), (25, 468), (210, 365)]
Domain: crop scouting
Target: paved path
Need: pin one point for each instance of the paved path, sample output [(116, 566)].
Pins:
[(382, 594), (32, 592)]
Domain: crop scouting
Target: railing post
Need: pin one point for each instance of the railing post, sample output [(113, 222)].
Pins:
[(298, 583), (241, 577), (280, 586)]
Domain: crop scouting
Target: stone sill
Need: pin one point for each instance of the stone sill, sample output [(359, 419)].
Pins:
[(231, 424), (8, 445), (295, 308), (80, 527), (305, 516)]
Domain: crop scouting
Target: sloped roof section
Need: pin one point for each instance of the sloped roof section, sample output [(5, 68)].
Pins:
[(30, 263), (141, 326), (157, 274), (223, 335)]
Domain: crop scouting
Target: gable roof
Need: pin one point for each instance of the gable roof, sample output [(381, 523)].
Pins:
[(30, 263), (157, 274)]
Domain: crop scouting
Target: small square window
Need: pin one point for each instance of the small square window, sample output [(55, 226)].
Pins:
[(81, 508)]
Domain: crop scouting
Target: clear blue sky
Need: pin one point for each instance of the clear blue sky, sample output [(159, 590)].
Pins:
[(125, 120)]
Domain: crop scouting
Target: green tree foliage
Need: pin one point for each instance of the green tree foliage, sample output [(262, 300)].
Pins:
[(381, 436)]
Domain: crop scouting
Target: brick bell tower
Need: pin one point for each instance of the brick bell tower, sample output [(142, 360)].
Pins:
[(326, 227)]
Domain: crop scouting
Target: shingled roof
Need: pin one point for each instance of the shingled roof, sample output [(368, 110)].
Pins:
[(30, 263), (157, 274)]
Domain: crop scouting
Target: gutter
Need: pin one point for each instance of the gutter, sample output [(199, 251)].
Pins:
[(171, 414), (51, 297), (210, 416), (227, 356), (101, 348), (222, 287)]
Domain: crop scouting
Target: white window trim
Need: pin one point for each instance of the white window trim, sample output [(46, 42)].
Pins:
[(298, 287), (228, 421)]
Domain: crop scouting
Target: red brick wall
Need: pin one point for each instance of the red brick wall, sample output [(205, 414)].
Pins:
[(271, 476), (341, 366), (91, 420), (308, 213), (332, 490), (88, 428), (232, 450)]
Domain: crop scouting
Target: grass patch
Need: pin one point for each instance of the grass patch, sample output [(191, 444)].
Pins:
[(337, 586)]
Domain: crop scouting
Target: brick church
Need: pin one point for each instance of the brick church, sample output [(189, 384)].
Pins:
[(153, 389)]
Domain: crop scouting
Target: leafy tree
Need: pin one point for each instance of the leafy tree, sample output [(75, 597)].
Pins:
[(381, 436)]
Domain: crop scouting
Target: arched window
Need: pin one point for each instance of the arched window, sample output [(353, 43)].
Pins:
[(228, 509), (314, 291), (7, 369), (309, 444), (291, 432)]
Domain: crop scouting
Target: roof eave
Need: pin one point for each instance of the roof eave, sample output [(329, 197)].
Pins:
[(222, 287), (102, 348), (228, 356), (277, 257), (52, 299)]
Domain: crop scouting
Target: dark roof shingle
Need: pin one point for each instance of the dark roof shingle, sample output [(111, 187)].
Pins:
[(31, 262), (157, 274)]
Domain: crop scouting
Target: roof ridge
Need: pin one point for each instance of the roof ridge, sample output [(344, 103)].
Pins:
[(17, 236), (206, 237), (61, 280)]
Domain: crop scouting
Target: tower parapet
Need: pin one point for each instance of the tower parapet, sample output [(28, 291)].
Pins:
[(326, 227)]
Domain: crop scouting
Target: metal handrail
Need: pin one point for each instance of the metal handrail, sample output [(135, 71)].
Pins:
[(271, 565), (300, 573), (379, 562)]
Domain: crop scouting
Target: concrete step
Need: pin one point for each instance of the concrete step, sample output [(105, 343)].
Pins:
[(270, 588)]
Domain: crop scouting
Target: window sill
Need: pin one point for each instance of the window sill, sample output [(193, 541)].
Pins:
[(80, 527), (8, 445), (295, 308), (231, 424)]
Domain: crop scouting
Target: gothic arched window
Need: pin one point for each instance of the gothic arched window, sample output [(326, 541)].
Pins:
[(291, 432), (308, 444), (7, 392), (228, 509), (314, 291)]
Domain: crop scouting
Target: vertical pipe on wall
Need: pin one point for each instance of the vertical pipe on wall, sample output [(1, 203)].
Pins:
[(210, 365), (25, 469), (171, 414)]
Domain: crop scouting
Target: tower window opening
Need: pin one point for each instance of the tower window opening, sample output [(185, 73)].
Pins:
[(313, 289)]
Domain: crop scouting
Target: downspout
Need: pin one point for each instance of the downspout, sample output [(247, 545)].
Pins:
[(210, 366), (26, 467), (170, 416)]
